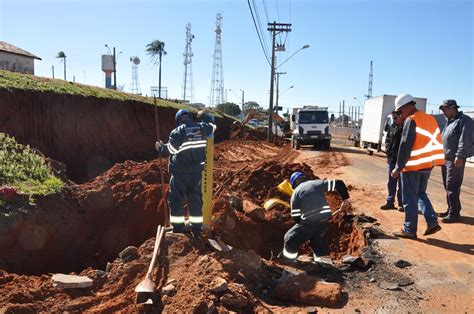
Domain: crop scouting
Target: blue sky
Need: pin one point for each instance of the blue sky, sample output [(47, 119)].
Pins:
[(422, 47)]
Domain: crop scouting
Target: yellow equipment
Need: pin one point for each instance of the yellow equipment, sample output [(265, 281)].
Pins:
[(207, 183), (273, 202), (285, 187)]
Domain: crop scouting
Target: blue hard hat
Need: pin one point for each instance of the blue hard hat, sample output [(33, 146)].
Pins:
[(294, 178), (179, 114)]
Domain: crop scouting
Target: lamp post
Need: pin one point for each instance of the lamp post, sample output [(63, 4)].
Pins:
[(272, 80)]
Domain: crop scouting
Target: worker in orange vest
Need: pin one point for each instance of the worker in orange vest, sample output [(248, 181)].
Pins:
[(421, 148)]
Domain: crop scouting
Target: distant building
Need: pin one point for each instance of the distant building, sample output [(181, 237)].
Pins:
[(15, 59)]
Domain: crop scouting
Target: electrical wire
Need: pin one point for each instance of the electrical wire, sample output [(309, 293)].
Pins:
[(258, 34)]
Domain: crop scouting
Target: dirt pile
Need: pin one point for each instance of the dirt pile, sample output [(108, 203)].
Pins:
[(85, 225), (193, 278)]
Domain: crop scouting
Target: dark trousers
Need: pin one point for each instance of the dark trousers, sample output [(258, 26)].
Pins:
[(452, 180), (392, 187), (314, 232), (186, 186)]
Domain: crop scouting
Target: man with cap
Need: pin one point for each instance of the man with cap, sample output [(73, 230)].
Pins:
[(187, 150), (420, 150), (457, 143), (311, 212), (392, 142)]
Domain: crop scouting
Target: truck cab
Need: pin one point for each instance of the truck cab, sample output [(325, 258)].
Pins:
[(310, 126)]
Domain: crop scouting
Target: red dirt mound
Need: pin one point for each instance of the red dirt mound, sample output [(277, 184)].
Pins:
[(86, 225)]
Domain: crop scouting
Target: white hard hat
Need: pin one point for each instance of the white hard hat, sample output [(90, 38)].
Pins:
[(402, 100)]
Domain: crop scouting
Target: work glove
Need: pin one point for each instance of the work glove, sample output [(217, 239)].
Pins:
[(205, 116), (158, 145)]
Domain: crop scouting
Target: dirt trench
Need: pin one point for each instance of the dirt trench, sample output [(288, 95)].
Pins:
[(89, 135)]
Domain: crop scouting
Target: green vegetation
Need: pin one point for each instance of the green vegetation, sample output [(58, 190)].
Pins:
[(15, 81), (25, 170)]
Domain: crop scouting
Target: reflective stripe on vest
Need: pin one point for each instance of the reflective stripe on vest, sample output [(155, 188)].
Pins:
[(289, 254), (427, 150)]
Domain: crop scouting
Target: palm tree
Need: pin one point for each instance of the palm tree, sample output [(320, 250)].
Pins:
[(157, 49), (62, 55)]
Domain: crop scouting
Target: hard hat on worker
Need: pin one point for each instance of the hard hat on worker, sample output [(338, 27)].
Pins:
[(179, 114), (402, 100), (296, 179)]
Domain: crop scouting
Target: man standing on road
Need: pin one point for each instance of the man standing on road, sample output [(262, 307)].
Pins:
[(311, 212), (420, 150), (457, 142), (392, 142), (187, 150)]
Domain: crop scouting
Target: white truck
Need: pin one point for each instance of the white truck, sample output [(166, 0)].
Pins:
[(310, 126), (376, 116)]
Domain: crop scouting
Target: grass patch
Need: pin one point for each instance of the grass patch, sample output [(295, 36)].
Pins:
[(16, 81), (25, 170)]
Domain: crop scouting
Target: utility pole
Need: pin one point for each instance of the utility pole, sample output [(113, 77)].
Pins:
[(52, 67), (115, 71), (343, 115), (275, 28), (371, 79), (243, 101)]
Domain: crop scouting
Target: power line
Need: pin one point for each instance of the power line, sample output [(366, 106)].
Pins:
[(258, 34)]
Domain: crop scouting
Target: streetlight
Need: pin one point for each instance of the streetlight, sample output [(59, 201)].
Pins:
[(272, 79), (304, 47), (358, 101), (114, 59)]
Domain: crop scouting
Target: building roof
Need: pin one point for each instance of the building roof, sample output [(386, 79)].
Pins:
[(4, 46)]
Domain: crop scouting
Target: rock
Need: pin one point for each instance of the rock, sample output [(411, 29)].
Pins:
[(356, 261), (257, 214), (219, 245), (248, 258), (375, 232), (171, 281), (372, 279), (108, 268), (128, 254), (349, 259), (389, 285), (402, 263), (236, 299), (236, 202), (309, 290), (362, 218), (71, 281), (405, 282), (168, 290), (218, 285)]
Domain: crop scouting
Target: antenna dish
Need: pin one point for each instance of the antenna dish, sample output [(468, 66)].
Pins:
[(135, 60)]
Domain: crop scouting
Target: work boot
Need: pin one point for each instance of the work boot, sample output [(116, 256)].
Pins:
[(400, 208), (443, 214), (388, 206), (403, 234), (451, 218), (431, 230)]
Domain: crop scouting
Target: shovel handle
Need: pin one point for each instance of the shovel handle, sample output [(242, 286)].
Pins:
[(159, 235)]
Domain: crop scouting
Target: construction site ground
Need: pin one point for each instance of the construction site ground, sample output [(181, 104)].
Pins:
[(196, 277)]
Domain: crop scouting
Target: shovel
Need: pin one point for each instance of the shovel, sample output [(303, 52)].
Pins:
[(146, 288), (167, 214)]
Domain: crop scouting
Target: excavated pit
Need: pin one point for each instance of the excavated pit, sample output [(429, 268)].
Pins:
[(263, 230)]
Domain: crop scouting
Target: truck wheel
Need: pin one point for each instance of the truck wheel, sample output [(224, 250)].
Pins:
[(370, 152), (327, 145)]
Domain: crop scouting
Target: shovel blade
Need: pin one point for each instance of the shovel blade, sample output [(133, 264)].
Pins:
[(146, 285)]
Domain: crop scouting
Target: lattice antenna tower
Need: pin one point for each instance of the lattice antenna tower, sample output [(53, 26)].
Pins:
[(217, 84), (188, 89), (134, 83), (371, 79)]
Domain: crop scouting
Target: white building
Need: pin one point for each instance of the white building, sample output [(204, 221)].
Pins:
[(15, 59)]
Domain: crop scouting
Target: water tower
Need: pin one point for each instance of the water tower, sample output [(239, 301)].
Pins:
[(135, 84), (108, 68)]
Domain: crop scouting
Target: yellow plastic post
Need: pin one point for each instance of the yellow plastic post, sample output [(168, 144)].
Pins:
[(207, 183)]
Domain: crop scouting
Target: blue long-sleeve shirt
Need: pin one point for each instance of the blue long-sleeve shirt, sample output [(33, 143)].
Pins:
[(457, 137), (406, 143)]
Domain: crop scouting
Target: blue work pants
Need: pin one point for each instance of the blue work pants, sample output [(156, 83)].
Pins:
[(414, 185), (315, 233), (392, 186), (186, 186)]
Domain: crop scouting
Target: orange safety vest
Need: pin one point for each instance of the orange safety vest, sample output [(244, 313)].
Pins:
[(427, 150)]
